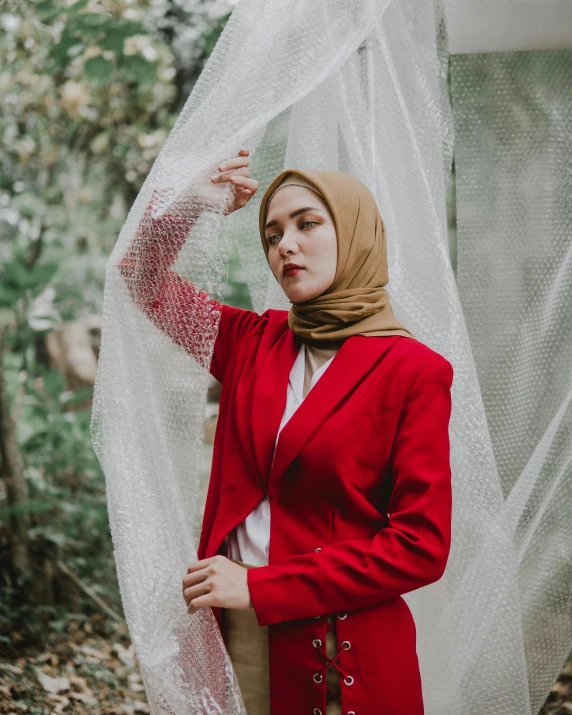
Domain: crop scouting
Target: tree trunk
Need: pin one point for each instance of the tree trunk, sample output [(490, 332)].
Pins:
[(16, 487)]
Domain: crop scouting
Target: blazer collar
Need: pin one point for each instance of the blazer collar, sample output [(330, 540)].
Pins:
[(356, 357)]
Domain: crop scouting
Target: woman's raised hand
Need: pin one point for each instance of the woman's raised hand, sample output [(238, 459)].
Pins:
[(237, 172)]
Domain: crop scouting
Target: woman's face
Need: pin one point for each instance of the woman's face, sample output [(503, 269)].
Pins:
[(302, 244)]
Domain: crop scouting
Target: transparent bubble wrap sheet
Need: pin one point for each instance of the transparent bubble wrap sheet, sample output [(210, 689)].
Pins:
[(513, 149), (300, 83)]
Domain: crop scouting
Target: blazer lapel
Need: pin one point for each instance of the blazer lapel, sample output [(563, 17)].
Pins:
[(269, 399), (356, 357)]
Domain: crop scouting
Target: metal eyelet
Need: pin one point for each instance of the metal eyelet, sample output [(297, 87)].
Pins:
[(348, 680), (317, 711), (317, 616), (318, 678), (316, 642), (346, 645), (351, 712), (341, 616), (318, 549)]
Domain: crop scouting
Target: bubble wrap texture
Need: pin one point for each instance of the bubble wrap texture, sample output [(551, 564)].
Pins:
[(356, 85), (513, 149)]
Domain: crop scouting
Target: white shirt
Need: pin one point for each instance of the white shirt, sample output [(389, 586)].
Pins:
[(249, 541)]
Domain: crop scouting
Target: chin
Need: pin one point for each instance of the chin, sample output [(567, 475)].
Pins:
[(298, 294)]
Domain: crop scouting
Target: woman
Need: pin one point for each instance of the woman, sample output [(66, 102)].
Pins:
[(330, 490)]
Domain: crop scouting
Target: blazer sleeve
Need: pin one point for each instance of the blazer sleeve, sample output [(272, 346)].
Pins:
[(186, 314), (410, 552)]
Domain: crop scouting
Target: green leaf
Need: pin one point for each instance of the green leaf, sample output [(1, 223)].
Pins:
[(18, 278), (139, 70), (115, 36), (28, 507), (47, 10), (54, 383), (91, 19), (15, 273), (79, 5), (49, 535), (114, 41), (9, 296), (76, 396), (98, 69), (34, 392), (42, 273), (131, 27), (59, 52)]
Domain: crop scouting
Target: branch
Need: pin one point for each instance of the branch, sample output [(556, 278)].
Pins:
[(89, 592)]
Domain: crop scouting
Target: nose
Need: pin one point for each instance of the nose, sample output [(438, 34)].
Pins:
[(288, 243)]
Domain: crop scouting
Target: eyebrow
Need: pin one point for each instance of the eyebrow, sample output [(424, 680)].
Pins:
[(294, 213)]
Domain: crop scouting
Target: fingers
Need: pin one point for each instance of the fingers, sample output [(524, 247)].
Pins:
[(246, 188), (236, 172), (244, 152), (234, 163), (245, 182), (192, 592), (225, 175), (191, 579), (240, 162), (194, 582), (195, 585), (200, 570), (203, 563), (217, 581), (198, 565), (200, 602)]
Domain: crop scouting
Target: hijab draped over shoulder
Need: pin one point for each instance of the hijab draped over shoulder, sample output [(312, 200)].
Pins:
[(356, 303)]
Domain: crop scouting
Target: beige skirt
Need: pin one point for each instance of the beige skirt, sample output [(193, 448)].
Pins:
[(247, 645)]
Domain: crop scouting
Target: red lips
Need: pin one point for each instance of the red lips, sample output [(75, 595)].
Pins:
[(290, 269)]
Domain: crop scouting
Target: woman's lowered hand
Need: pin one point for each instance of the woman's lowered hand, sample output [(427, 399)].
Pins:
[(216, 581)]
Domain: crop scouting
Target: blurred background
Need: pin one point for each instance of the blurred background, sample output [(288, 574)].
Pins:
[(89, 92)]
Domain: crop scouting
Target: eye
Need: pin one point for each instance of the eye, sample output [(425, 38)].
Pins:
[(271, 240)]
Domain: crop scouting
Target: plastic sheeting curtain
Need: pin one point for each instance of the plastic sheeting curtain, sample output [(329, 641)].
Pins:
[(513, 158), (332, 84)]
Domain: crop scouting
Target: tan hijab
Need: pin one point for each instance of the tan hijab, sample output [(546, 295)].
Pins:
[(356, 303)]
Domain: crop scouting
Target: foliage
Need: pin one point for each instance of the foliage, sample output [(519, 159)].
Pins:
[(66, 511), (90, 90)]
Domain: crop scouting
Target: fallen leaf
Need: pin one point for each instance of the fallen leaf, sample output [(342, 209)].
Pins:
[(125, 655), (49, 684), (86, 650), (8, 668), (61, 703), (80, 685), (84, 698)]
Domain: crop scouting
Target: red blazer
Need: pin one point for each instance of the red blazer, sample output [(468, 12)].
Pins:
[(359, 491)]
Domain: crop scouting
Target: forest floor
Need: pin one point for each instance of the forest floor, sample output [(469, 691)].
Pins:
[(88, 666)]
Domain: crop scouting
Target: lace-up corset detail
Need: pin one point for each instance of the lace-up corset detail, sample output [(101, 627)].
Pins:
[(331, 668)]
